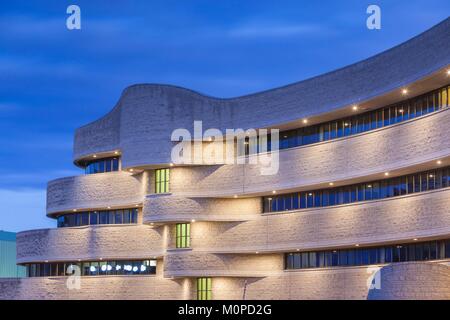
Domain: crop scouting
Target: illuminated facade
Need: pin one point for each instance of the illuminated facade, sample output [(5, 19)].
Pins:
[(363, 184)]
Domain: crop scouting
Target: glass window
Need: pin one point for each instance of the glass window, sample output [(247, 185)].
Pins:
[(431, 250), (183, 235), (162, 177), (204, 289)]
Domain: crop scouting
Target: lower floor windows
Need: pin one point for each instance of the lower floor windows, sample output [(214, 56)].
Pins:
[(204, 288), (122, 216), (92, 268), (417, 251), (183, 235)]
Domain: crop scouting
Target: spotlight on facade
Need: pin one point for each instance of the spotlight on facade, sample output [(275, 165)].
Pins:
[(405, 91), (439, 162), (305, 121), (415, 239), (448, 72), (355, 107), (116, 152), (171, 164), (131, 170), (331, 183), (74, 210), (386, 174), (357, 245), (235, 196), (193, 220), (257, 252), (274, 191), (94, 156)]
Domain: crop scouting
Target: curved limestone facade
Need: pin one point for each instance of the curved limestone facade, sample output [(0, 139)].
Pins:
[(362, 214)]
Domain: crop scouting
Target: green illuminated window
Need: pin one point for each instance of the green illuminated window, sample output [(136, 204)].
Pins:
[(183, 235), (204, 290), (162, 180)]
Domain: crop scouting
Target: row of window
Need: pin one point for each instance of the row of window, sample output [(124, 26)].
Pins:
[(122, 216), (92, 268), (162, 177), (370, 120), (418, 251), (183, 235), (102, 165), (419, 182)]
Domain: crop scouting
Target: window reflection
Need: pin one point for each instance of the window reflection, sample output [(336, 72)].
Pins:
[(92, 268), (393, 187), (405, 110), (417, 251), (102, 165), (121, 216)]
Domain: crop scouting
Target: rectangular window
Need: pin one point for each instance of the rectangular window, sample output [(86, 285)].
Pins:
[(204, 288), (162, 180), (183, 235)]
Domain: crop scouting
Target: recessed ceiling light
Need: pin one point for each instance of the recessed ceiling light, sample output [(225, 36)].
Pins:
[(310, 194), (193, 220), (357, 245), (274, 191), (401, 110), (431, 176)]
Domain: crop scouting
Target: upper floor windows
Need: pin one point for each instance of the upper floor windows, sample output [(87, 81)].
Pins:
[(121, 216), (102, 165), (417, 251), (92, 268), (183, 235), (419, 182), (162, 177), (370, 120)]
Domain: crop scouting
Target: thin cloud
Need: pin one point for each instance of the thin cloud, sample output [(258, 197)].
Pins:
[(278, 30)]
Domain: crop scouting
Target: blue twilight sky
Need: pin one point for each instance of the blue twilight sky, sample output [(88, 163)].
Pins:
[(53, 80)]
